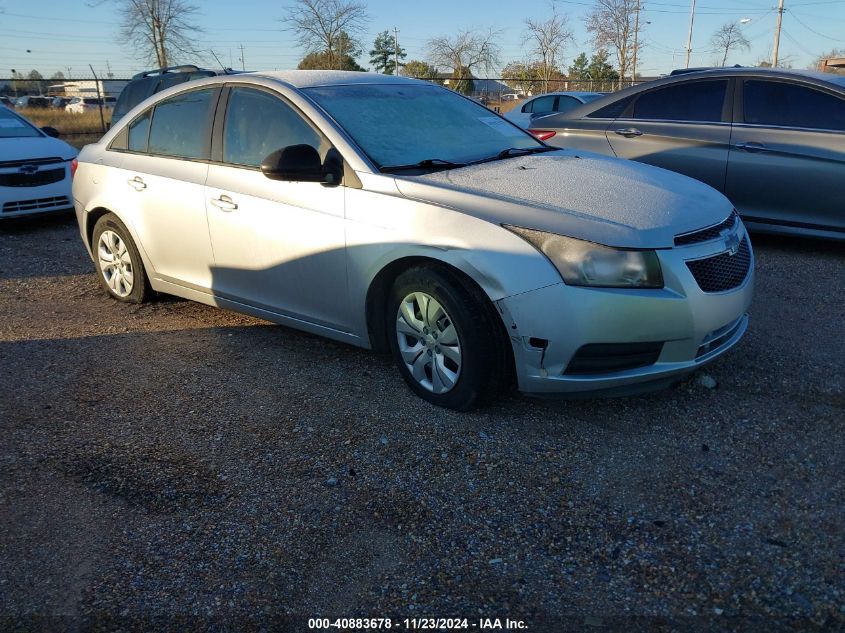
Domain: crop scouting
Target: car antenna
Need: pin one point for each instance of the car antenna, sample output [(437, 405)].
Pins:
[(225, 70)]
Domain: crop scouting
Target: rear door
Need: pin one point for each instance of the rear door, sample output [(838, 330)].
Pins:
[(787, 160), (164, 174), (685, 127)]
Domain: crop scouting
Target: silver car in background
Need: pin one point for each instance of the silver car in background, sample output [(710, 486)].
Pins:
[(773, 141), (397, 215)]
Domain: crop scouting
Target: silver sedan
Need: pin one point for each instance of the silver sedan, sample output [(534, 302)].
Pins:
[(773, 141), (397, 215)]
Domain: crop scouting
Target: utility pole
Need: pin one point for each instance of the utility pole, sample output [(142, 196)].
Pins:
[(396, 50), (636, 37), (689, 37), (777, 35), (243, 63)]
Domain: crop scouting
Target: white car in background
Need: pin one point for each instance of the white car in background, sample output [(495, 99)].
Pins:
[(35, 168), (549, 103), (78, 105)]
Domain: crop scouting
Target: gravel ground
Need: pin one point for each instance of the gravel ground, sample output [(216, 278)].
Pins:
[(172, 460)]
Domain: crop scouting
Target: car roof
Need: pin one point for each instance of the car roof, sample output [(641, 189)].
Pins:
[(314, 78), (733, 71)]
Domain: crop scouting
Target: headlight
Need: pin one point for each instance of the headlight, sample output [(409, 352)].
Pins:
[(582, 263)]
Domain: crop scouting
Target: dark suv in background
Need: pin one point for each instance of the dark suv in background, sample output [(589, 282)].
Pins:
[(150, 82)]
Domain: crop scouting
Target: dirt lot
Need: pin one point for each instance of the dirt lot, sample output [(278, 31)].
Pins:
[(173, 460)]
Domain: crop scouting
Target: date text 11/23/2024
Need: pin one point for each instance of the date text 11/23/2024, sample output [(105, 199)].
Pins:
[(417, 624)]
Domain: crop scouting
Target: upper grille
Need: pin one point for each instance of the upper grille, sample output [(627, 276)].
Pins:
[(32, 161), (710, 233), (722, 272), (44, 177)]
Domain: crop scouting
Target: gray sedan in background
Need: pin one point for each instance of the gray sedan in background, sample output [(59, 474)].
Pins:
[(773, 141), (395, 214)]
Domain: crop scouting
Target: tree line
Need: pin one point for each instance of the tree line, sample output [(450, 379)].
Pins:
[(329, 32)]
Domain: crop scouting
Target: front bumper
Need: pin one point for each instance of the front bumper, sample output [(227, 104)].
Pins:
[(549, 325)]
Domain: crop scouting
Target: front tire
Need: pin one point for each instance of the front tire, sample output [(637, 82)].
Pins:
[(444, 338), (118, 262)]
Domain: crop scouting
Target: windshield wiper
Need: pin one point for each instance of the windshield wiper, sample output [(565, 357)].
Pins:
[(428, 163), (515, 151)]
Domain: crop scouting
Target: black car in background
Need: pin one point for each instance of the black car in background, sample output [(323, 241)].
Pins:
[(150, 82)]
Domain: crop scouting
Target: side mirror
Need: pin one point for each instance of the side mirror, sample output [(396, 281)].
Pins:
[(297, 163), (50, 131)]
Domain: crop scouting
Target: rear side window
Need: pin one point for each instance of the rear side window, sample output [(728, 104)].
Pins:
[(258, 124), (613, 110), (138, 133), (790, 105), (543, 104), (692, 101), (181, 125), (566, 103)]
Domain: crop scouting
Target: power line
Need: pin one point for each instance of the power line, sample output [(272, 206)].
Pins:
[(812, 30)]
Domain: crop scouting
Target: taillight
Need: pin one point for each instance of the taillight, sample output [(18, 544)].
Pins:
[(543, 135), (73, 165)]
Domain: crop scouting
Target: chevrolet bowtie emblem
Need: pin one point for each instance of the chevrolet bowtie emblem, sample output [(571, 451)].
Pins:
[(731, 243), (28, 169)]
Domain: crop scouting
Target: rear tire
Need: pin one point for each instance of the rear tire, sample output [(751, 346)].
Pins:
[(118, 262), (444, 338)]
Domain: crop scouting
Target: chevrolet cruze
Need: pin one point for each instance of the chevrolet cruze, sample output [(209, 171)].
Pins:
[(394, 214)]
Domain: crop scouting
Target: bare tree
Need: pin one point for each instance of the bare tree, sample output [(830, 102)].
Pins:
[(548, 39), (159, 30), (328, 26), (465, 52), (613, 24), (729, 37)]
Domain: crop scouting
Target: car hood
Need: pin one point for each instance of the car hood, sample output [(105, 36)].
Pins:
[(32, 148), (578, 194)]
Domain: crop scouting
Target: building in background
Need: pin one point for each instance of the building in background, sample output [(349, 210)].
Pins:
[(87, 88)]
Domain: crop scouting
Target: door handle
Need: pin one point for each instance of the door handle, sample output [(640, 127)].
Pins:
[(225, 203), (628, 132), (751, 146), (137, 183)]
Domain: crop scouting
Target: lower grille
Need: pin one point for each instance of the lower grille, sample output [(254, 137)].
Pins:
[(38, 204), (719, 337), (603, 358), (44, 177), (722, 272)]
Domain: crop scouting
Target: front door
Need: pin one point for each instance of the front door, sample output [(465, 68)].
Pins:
[(278, 246), (683, 127)]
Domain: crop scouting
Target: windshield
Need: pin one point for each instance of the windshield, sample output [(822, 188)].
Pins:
[(13, 126), (403, 124)]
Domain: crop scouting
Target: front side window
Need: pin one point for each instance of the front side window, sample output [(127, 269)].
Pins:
[(258, 124), (180, 125), (138, 132), (783, 104), (403, 124), (690, 101)]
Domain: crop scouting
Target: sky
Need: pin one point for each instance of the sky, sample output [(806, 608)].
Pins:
[(67, 35)]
